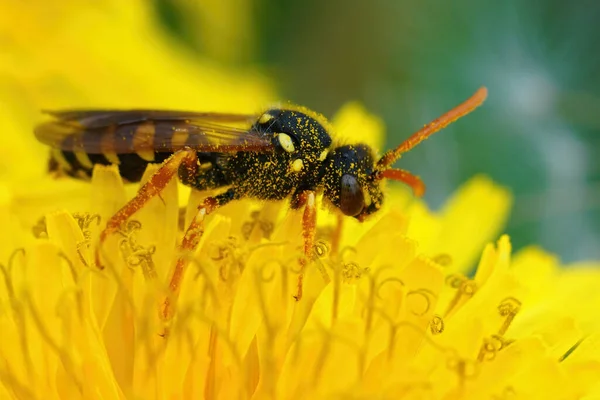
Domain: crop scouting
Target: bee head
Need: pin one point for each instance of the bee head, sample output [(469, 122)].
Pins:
[(351, 183), (352, 177)]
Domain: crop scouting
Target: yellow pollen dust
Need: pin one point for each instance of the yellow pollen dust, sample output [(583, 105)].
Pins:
[(286, 142)]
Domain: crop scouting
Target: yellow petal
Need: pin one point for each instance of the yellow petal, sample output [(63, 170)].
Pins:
[(354, 124), (477, 212)]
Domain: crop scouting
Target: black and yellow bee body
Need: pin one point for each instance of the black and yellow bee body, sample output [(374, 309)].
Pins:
[(284, 152), (281, 153), (278, 154)]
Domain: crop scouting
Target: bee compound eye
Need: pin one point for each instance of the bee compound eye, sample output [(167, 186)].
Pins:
[(352, 200)]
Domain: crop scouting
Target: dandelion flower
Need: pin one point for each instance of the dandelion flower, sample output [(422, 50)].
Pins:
[(393, 311), (390, 314)]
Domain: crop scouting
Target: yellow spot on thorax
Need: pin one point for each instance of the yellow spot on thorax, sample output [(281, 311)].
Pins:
[(205, 166), (286, 142), (297, 165), (265, 118), (323, 155)]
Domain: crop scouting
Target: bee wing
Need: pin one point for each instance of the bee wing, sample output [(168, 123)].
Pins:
[(134, 131)]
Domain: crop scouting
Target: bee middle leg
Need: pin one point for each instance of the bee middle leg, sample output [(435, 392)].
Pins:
[(186, 159), (307, 200)]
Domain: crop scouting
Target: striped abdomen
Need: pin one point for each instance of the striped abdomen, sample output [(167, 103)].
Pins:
[(134, 138), (80, 164)]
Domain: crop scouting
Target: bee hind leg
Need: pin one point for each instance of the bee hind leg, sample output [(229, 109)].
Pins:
[(188, 246)]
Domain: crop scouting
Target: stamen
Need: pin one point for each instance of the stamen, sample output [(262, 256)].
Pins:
[(427, 295), (465, 286), (388, 281), (209, 285), (442, 259), (62, 353), (321, 248), (260, 280), (571, 350), (508, 308), (465, 369), (351, 272), (17, 309), (436, 325), (134, 254), (39, 230)]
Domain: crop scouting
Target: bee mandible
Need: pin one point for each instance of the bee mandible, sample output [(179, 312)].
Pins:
[(279, 154)]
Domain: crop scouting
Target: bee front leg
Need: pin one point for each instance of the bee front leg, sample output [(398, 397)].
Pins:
[(152, 188), (188, 246), (307, 200)]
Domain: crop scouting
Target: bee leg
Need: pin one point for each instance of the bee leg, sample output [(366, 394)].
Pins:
[(152, 188), (306, 199), (188, 245)]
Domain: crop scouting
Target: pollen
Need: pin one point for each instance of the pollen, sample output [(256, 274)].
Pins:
[(286, 142)]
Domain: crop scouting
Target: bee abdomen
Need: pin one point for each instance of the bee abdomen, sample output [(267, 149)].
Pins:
[(80, 164)]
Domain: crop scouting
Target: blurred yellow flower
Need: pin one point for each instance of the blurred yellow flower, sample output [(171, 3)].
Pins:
[(400, 317), (109, 53)]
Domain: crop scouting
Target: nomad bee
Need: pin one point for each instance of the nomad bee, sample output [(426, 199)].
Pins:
[(281, 153)]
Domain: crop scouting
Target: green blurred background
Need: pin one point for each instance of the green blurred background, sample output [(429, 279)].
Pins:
[(409, 61)]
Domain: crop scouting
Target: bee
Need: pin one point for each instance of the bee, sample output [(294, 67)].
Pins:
[(282, 153)]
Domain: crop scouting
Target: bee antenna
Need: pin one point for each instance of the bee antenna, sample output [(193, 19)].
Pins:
[(405, 177), (437, 124)]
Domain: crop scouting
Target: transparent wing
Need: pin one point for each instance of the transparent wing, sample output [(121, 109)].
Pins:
[(132, 131)]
